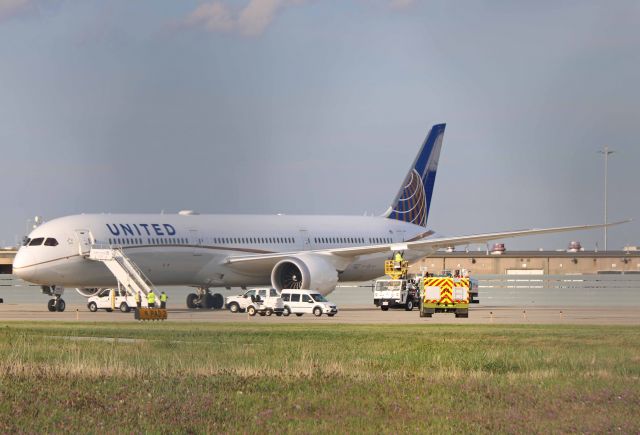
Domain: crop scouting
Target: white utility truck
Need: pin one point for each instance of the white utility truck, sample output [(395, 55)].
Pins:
[(396, 290), (269, 301), (110, 299)]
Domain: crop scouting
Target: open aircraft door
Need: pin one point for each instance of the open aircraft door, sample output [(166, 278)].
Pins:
[(195, 241), (85, 240), (306, 241)]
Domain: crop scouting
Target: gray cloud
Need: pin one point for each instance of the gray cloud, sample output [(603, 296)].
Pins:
[(252, 20), (11, 8), (214, 17), (401, 4)]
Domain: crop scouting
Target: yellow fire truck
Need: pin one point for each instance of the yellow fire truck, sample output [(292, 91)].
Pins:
[(445, 294)]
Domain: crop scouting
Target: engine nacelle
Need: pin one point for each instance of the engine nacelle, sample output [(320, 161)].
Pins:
[(306, 271), (88, 292)]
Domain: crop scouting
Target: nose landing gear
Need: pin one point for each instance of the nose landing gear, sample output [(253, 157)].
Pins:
[(57, 303)]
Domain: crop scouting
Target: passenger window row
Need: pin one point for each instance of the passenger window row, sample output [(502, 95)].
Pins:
[(352, 240), (252, 240), (185, 241), (50, 241), (148, 241)]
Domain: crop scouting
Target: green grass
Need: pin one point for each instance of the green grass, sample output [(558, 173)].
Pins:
[(312, 378)]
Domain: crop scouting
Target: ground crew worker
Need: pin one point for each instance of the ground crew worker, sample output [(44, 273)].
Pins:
[(151, 300), (112, 298), (138, 300), (163, 300), (397, 260)]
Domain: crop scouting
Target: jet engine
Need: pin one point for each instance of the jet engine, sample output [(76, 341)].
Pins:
[(305, 271), (88, 292)]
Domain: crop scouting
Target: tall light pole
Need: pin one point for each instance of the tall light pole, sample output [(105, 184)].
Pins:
[(606, 151)]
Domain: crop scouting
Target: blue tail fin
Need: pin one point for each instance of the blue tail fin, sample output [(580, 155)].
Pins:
[(413, 201)]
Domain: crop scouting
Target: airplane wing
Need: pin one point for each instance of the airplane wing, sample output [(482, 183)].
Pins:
[(428, 245)]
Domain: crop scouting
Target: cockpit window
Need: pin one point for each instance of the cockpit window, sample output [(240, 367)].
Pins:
[(25, 241), (51, 242), (37, 241)]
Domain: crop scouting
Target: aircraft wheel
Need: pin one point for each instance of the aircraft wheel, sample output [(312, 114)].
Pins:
[(191, 298), (207, 301), (61, 305), (51, 305), (217, 301)]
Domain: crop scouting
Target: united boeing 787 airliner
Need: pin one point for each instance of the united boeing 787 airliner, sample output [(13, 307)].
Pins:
[(208, 251)]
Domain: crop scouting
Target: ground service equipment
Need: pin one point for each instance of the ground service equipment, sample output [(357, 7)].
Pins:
[(474, 291), (444, 294), (151, 314), (397, 291)]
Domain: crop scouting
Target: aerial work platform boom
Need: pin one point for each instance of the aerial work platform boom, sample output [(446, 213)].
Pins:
[(124, 269), (396, 269)]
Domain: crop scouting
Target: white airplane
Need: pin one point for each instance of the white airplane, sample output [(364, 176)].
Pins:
[(208, 251)]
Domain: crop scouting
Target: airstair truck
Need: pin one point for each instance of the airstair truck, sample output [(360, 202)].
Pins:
[(445, 294), (397, 290)]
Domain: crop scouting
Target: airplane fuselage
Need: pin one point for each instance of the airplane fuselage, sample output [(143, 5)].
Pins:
[(190, 250)]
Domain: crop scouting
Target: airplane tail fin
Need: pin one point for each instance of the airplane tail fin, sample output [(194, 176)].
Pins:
[(413, 201)]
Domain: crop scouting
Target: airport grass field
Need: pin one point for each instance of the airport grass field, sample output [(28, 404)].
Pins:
[(68, 377)]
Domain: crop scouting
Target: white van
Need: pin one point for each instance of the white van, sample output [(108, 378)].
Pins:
[(300, 302)]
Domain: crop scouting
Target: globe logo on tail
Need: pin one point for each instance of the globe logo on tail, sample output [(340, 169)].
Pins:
[(411, 205)]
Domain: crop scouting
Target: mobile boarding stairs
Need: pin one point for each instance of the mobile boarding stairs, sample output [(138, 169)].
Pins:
[(129, 276)]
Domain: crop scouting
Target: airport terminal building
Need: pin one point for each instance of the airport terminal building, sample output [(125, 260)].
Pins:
[(533, 262)]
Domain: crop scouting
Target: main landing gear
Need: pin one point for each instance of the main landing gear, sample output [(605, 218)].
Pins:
[(204, 299), (57, 303)]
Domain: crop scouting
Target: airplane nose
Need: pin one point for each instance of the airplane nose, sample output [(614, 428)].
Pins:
[(18, 260), (20, 265)]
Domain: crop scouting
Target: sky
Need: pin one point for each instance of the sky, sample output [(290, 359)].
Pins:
[(319, 107)]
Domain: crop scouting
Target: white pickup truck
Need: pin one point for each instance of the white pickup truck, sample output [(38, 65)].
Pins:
[(123, 302), (269, 302)]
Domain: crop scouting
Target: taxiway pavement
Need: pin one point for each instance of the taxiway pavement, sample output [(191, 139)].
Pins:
[(353, 315)]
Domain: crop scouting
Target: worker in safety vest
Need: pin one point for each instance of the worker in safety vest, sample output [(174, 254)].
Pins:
[(397, 260), (163, 300), (151, 300), (138, 299)]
